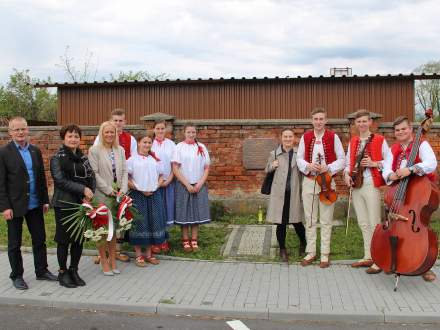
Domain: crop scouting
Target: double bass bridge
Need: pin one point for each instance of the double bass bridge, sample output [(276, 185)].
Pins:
[(396, 216)]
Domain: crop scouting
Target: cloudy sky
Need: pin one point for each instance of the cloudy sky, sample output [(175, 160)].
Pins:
[(223, 38)]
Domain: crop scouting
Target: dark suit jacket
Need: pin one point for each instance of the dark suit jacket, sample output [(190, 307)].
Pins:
[(14, 179)]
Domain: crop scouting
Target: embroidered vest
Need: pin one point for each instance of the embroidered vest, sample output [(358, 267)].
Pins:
[(328, 144), (374, 150), (399, 154)]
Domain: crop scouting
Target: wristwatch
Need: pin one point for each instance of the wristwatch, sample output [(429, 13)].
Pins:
[(411, 169)]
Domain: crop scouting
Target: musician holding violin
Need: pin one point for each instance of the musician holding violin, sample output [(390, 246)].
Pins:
[(396, 169), (364, 162), (320, 156)]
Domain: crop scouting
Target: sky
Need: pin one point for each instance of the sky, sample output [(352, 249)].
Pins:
[(222, 38)]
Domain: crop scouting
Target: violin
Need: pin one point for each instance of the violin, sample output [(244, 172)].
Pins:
[(327, 195), (357, 175), (404, 244)]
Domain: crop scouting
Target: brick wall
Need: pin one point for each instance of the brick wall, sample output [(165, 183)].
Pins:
[(229, 180)]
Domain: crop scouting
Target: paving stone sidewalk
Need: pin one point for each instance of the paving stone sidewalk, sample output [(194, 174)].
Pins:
[(235, 289)]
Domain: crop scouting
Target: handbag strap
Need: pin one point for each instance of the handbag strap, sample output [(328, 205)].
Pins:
[(275, 151)]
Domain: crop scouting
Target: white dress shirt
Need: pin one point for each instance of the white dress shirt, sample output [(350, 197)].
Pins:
[(145, 172), (318, 148), (164, 151), (427, 165), (192, 163)]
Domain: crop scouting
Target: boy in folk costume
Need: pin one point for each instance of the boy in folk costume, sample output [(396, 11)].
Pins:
[(128, 142), (366, 195), (395, 166), (326, 145)]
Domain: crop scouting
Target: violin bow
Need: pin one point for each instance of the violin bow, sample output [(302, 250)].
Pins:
[(313, 200), (348, 210), (351, 188)]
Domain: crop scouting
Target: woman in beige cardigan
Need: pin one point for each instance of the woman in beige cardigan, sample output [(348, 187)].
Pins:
[(108, 162), (285, 205)]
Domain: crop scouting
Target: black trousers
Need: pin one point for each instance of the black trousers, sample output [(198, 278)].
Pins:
[(282, 228), (35, 222), (63, 239)]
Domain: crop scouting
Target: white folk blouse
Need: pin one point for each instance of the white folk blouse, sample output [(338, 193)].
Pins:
[(144, 172), (192, 162), (164, 151)]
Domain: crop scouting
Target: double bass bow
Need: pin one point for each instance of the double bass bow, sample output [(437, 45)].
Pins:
[(404, 244)]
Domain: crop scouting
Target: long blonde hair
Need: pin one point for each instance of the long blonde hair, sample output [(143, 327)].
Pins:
[(101, 134)]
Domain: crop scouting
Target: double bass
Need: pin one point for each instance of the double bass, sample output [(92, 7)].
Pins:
[(404, 243)]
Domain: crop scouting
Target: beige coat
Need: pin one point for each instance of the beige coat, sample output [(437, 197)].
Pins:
[(276, 200), (102, 166)]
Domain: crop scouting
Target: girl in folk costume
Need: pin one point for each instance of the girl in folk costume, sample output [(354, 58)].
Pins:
[(191, 167), (145, 173), (164, 149), (366, 194), (395, 166), (108, 162), (323, 145), (285, 205)]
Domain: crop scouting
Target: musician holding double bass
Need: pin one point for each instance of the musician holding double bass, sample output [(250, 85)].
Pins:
[(364, 162), (320, 156), (395, 167)]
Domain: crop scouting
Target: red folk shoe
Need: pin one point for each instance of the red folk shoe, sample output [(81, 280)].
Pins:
[(186, 245), (155, 249), (165, 247), (194, 245)]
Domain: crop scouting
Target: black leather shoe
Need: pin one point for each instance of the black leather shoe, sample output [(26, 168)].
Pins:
[(65, 279), (283, 255), (302, 250), (75, 277), (20, 284), (47, 276)]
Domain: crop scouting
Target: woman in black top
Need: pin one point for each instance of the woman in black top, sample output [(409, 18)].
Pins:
[(285, 202), (74, 181)]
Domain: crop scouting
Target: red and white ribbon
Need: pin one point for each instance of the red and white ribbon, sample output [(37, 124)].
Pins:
[(101, 210), (126, 201)]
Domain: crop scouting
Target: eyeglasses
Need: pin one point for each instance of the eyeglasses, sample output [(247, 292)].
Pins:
[(17, 130)]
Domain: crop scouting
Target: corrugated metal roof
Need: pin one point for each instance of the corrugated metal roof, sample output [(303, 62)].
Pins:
[(411, 76)]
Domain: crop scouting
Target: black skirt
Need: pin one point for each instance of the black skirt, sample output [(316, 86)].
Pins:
[(62, 236)]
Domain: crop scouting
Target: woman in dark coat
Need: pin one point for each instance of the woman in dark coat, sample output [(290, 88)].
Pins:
[(74, 181)]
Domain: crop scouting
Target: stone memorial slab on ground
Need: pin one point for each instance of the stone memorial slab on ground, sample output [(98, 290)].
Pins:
[(248, 241)]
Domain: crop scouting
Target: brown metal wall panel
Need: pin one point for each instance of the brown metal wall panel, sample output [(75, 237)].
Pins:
[(237, 100)]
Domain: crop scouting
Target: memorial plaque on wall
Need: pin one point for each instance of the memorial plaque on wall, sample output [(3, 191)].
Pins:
[(256, 151)]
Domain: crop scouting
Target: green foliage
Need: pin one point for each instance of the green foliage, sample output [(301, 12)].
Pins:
[(213, 236), (427, 92), (218, 210), (136, 75), (20, 98)]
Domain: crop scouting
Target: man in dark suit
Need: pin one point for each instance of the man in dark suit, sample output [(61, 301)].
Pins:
[(23, 194)]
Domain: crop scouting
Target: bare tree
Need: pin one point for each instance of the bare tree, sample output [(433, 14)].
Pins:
[(428, 91), (137, 75), (87, 69)]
